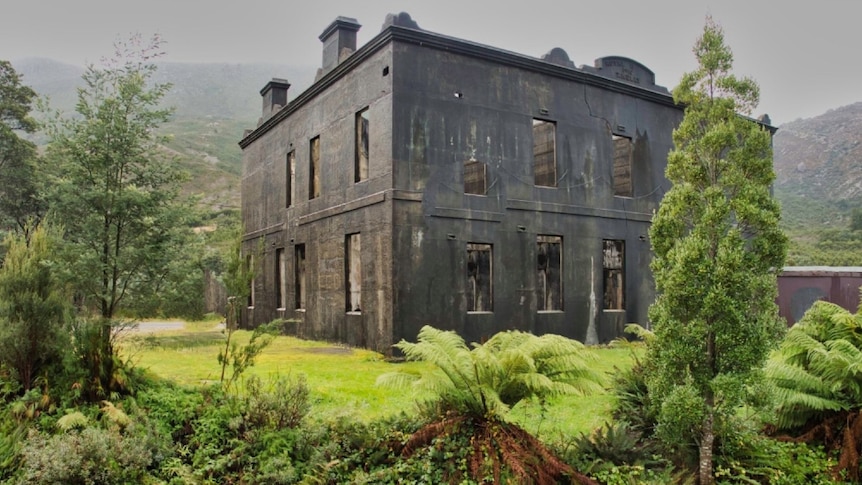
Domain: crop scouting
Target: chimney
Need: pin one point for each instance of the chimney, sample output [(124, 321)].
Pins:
[(274, 96), (339, 41)]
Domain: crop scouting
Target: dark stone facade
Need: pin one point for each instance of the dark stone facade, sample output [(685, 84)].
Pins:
[(437, 181)]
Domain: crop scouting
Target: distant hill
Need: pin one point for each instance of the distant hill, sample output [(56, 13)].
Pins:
[(213, 104), (818, 164)]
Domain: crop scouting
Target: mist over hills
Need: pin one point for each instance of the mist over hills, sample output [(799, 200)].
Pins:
[(817, 160), (214, 103)]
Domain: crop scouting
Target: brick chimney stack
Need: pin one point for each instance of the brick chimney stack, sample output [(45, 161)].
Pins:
[(274, 96), (339, 41)]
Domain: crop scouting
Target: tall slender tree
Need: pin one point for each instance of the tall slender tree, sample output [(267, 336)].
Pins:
[(717, 249), (114, 190)]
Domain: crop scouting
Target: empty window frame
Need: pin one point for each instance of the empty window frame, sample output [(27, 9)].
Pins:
[(360, 168), (299, 276), (314, 168), (249, 267), (549, 294), (480, 278), (280, 279), (622, 166), (613, 263), (353, 272), (290, 176), (544, 153), (475, 174)]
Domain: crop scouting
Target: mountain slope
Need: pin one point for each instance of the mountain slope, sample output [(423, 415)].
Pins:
[(213, 104), (818, 169)]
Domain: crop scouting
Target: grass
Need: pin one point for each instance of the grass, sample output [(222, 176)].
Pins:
[(342, 379)]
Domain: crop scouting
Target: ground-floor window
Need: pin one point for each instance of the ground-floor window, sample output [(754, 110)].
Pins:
[(353, 270), (480, 291), (549, 263), (299, 273), (613, 262)]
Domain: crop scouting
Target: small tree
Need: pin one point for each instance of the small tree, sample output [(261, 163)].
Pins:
[(32, 309), (116, 192), (717, 249)]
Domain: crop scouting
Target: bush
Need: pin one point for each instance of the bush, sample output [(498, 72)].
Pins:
[(91, 456)]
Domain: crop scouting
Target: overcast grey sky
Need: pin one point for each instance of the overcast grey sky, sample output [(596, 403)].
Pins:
[(804, 54)]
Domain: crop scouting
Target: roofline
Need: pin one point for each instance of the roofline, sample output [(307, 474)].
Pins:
[(393, 33)]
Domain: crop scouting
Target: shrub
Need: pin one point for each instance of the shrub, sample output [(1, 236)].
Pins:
[(92, 456)]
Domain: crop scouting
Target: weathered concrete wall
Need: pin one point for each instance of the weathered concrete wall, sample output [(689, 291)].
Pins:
[(449, 108), (322, 223)]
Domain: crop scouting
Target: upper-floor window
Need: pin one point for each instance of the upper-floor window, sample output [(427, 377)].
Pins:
[(314, 168), (475, 177), (290, 176), (622, 166), (544, 153), (360, 168)]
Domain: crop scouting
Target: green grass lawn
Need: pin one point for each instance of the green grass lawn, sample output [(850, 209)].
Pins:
[(341, 379)]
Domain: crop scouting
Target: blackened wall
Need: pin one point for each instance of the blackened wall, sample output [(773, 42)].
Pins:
[(322, 224), (449, 108)]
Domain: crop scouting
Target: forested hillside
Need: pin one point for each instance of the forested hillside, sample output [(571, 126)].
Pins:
[(819, 185), (213, 104)]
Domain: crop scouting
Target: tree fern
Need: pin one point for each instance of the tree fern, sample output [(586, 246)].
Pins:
[(818, 368), (491, 378)]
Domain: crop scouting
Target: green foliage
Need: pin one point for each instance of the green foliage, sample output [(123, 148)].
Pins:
[(19, 200), (32, 308), (717, 248), (818, 368), (73, 420), (241, 357), (490, 379), (758, 459), (91, 456)]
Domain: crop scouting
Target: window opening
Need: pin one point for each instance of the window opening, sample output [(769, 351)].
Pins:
[(475, 178), (360, 168), (299, 276), (549, 264), (544, 153), (249, 267), (353, 269), (613, 262), (280, 282), (290, 170), (480, 294), (314, 169), (622, 166)]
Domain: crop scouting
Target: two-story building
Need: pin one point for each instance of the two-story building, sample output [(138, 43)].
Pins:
[(424, 179)]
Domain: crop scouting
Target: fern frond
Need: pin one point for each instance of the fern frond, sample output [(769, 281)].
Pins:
[(73, 420), (397, 380)]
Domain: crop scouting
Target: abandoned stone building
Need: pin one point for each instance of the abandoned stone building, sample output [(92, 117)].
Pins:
[(424, 179)]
